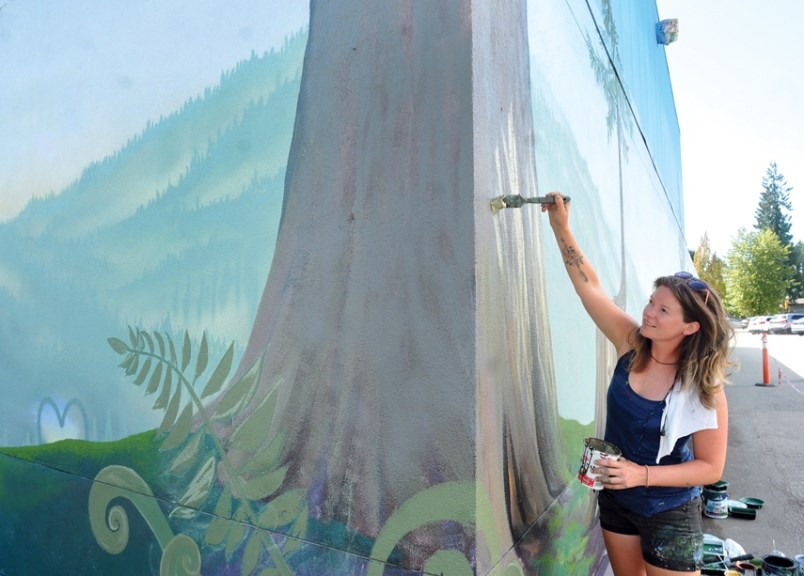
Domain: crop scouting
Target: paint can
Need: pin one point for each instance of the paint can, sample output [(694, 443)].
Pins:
[(747, 568), (595, 449), (715, 500), (773, 565)]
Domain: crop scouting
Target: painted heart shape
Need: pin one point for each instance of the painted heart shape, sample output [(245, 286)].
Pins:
[(57, 424)]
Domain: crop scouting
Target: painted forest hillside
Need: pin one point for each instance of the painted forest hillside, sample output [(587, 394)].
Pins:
[(175, 231)]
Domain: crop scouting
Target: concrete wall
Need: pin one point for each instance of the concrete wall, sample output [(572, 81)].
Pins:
[(259, 317)]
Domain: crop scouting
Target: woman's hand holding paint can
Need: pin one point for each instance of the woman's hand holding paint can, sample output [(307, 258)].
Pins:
[(594, 450)]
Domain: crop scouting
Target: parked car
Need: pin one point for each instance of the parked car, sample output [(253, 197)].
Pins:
[(759, 324), (744, 323), (797, 327), (780, 324)]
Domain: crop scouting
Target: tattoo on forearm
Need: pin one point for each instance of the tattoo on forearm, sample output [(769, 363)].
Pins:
[(573, 258)]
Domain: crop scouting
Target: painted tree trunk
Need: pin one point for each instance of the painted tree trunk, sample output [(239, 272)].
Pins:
[(403, 325)]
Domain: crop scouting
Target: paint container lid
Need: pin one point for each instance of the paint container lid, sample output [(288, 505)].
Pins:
[(753, 502), (744, 513), (719, 485)]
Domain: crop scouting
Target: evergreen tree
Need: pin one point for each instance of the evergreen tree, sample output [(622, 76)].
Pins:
[(774, 205), (773, 214), (758, 275)]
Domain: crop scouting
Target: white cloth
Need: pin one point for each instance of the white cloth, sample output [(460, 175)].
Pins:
[(683, 414)]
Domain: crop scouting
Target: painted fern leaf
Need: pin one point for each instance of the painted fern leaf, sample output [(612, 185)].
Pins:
[(242, 494)]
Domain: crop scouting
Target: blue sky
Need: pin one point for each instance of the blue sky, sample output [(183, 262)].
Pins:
[(737, 70), (53, 54)]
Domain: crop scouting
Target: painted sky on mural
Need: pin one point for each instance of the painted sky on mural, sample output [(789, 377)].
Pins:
[(54, 54), (735, 69), (738, 81)]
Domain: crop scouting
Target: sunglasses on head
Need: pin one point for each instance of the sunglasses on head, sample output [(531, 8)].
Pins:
[(695, 283)]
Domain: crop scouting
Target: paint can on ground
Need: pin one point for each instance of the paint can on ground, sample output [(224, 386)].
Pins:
[(773, 565), (595, 449), (746, 568), (715, 500)]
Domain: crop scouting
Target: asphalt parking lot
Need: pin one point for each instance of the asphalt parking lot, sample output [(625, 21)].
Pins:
[(766, 445)]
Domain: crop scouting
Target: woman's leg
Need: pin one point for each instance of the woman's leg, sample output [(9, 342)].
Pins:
[(625, 553), (625, 556), (672, 541)]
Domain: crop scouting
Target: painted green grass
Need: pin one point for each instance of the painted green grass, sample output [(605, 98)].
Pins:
[(140, 452), (44, 492), (48, 485), (80, 458)]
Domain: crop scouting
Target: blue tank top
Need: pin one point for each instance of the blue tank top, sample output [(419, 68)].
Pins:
[(633, 424)]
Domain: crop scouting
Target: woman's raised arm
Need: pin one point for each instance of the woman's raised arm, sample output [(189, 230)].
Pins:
[(614, 322)]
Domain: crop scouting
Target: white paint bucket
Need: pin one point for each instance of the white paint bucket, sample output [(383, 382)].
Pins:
[(595, 449), (715, 500)]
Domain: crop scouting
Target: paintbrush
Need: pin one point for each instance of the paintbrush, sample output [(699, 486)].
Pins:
[(516, 201)]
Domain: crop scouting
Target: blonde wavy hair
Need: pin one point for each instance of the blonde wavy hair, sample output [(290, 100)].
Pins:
[(704, 355)]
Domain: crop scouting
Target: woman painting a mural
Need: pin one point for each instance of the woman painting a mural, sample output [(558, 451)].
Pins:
[(666, 412)]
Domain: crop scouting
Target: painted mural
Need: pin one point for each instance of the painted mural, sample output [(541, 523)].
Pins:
[(258, 317)]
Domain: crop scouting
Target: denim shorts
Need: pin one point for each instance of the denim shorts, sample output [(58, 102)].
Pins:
[(672, 539)]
